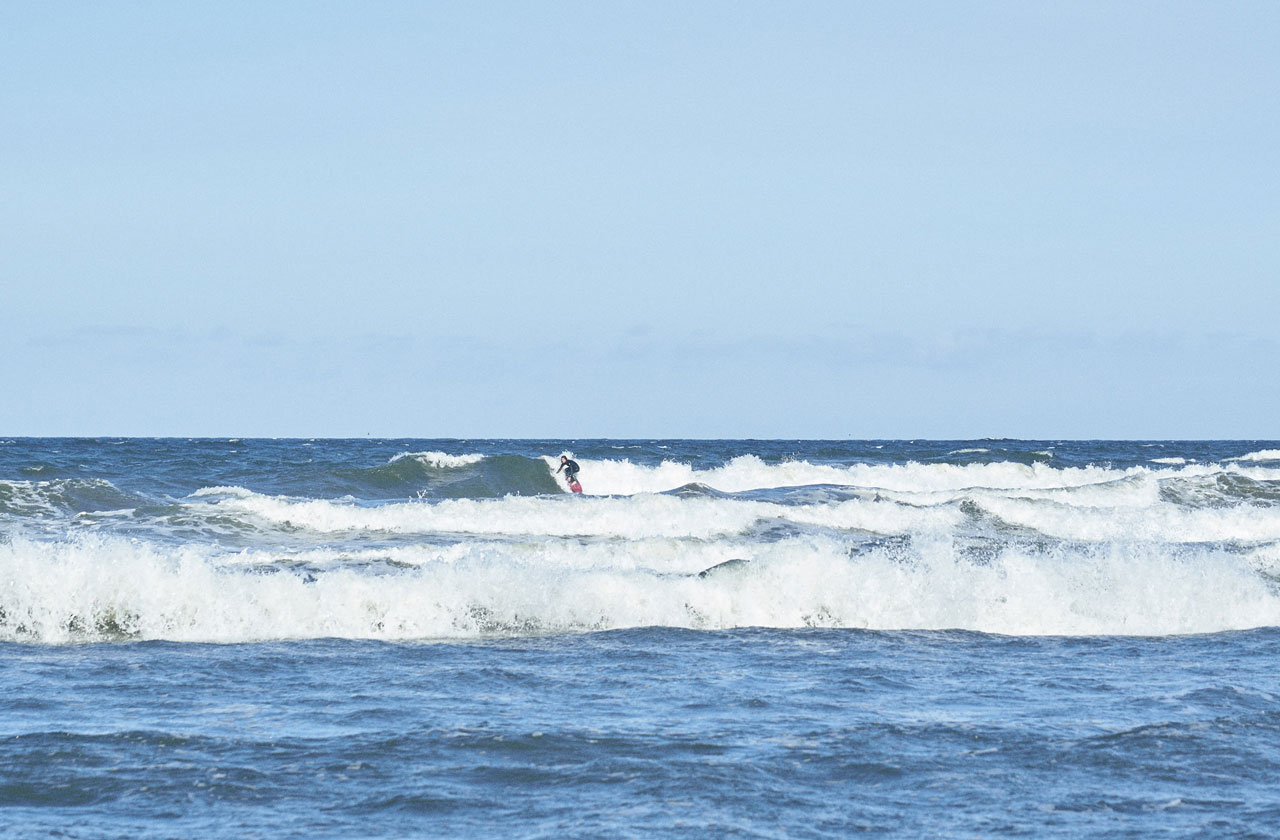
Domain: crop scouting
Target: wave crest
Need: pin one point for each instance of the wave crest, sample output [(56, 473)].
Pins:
[(1262, 455), (102, 589), (750, 472), (439, 460)]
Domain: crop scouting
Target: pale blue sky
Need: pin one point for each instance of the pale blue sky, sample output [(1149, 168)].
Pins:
[(605, 219)]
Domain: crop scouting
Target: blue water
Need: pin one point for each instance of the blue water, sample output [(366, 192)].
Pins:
[(729, 638)]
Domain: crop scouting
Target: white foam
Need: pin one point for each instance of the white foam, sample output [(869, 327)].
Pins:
[(1159, 523), (223, 490), (29, 498), (1138, 489), (915, 483), (1129, 507), (749, 472), (660, 555), (42, 498), (1142, 550), (439, 460), (1261, 455), (636, 517), (93, 588)]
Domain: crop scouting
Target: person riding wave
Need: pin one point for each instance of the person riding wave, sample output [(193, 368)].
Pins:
[(570, 468)]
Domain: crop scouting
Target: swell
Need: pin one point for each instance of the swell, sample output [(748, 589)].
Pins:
[(442, 476)]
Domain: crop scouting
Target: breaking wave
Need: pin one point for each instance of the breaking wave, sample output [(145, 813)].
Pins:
[(439, 460), (1260, 456), (109, 589), (750, 472), (426, 544), (645, 515), (1125, 510), (62, 496)]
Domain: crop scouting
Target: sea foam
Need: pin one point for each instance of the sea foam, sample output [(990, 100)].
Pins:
[(750, 472), (1006, 547), (96, 588), (635, 517), (439, 460)]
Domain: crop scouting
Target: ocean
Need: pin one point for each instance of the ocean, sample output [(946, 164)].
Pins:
[(743, 638)]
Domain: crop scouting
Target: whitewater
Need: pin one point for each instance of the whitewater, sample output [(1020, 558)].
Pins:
[(428, 543), (392, 638)]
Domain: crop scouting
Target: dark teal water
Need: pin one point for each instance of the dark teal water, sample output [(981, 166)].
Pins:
[(729, 638)]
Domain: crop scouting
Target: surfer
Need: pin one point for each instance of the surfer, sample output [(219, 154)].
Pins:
[(570, 468)]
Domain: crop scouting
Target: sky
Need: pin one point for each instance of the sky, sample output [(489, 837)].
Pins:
[(650, 219)]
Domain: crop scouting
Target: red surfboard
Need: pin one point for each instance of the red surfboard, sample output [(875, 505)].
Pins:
[(575, 486)]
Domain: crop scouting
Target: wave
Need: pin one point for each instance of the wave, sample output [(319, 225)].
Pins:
[(102, 589), (1259, 456), (515, 496), (637, 517), (1213, 507), (441, 475), (62, 496), (1160, 524), (1220, 490), (435, 475), (464, 545), (750, 472), (439, 460)]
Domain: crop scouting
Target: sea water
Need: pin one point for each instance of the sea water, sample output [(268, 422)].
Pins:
[(395, 638)]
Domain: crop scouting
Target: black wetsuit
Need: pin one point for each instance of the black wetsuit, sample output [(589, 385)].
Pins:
[(570, 468)]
